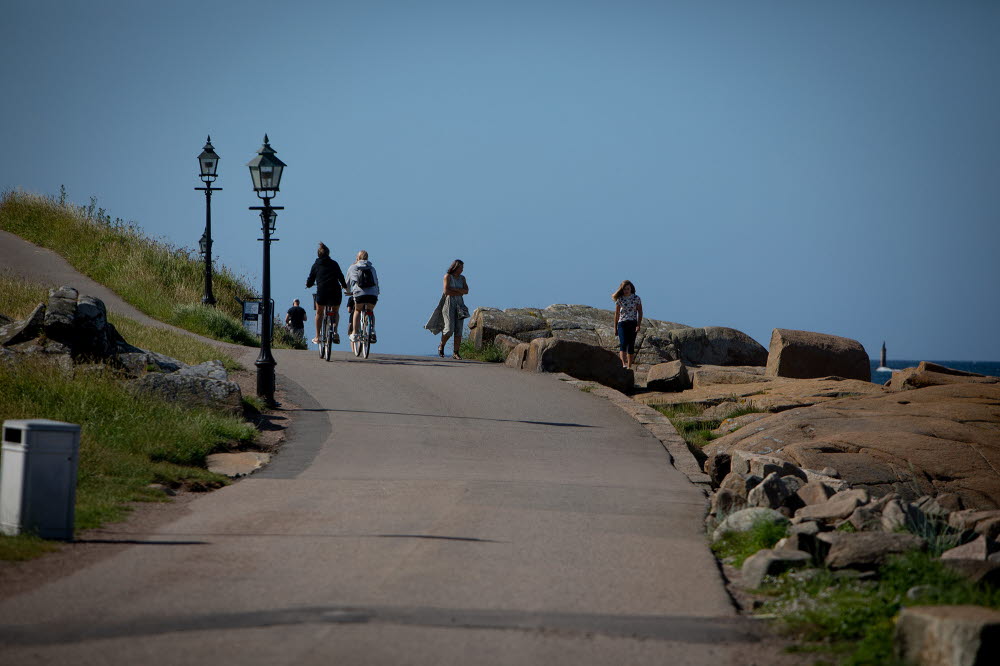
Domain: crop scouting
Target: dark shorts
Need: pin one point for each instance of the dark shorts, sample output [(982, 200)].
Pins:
[(626, 335), (327, 297), (366, 299)]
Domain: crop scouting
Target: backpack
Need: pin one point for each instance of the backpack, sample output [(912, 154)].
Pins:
[(366, 279)]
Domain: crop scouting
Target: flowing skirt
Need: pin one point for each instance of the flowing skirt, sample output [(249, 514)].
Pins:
[(445, 317)]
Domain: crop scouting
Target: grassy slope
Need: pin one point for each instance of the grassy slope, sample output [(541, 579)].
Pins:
[(160, 280)]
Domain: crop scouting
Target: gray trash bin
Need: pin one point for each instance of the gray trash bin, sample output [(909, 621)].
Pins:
[(38, 480)]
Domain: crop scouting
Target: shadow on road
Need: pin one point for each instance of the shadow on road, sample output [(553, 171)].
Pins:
[(554, 424), (681, 629)]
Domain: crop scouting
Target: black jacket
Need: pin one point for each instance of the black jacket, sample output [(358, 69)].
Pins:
[(329, 281)]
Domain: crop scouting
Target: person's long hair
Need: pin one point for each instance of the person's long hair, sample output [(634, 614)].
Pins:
[(362, 255), (618, 292), (455, 266)]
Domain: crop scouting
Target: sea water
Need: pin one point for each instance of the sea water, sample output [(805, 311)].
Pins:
[(881, 375)]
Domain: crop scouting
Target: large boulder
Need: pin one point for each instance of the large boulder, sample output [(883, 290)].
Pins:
[(578, 360), (60, 315), (487, 323), (932, 374), (867, 550), (517, 356), (194, 389), (923, 442), (947, 635), (716, 345), (804, 355), (505, 343), (670, 376)]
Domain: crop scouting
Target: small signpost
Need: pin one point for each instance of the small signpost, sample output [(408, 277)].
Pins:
[(253, 315)]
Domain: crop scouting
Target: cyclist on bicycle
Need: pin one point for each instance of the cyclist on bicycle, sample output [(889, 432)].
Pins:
[(329, 281), (362, 282)]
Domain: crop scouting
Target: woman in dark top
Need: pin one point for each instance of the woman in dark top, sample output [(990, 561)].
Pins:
[(330, 284)]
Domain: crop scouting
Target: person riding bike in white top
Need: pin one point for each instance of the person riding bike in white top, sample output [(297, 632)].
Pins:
[(362, 282)]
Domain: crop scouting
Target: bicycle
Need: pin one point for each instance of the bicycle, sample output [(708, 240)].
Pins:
[(326, 336), (363, 344)]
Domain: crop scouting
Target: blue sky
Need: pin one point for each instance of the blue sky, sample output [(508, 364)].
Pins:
[(827, 166)]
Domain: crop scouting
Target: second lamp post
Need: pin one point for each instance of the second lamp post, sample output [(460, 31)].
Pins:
[(265, 171), (208, 162)]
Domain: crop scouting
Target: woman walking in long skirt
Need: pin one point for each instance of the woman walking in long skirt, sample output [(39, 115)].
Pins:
[(450, 314)]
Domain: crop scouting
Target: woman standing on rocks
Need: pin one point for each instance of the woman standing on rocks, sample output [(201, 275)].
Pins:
[(450, 313), (628, 319)]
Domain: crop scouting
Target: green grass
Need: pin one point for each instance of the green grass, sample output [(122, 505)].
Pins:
[(212, 323), (738, 546), (489, 353), (127, 441), (854, 619), (695, 433), (159, 279), (699, 433), (681, 409)]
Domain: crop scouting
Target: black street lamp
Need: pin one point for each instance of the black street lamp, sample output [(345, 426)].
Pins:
[(265, 171), (208, 162)]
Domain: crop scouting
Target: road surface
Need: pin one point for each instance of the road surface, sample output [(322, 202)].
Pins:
[(422, 511)]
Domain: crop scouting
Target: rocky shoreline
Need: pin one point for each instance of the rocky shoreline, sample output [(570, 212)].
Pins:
[(930, 430)]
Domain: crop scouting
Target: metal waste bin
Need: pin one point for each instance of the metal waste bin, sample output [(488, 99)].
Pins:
[(38, 479)]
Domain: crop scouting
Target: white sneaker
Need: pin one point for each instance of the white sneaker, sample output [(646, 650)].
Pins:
[(354, 337)]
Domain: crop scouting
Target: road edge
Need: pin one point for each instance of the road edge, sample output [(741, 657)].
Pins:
[(656, 423)]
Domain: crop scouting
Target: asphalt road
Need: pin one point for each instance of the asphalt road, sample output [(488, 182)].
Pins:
[(422, 511)]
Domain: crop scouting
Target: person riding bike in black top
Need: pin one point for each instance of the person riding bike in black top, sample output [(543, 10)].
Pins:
[(330, 285)]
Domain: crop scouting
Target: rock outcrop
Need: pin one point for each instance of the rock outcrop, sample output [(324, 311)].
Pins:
[(924, 441), (805, 355), (73, 329), (931, 374), (715, 345), (658, 341), (773, 394)]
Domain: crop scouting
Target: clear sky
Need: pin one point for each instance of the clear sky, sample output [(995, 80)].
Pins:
[(828, 166)]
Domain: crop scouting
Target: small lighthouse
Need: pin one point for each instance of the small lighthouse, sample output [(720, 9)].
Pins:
[(882, 367)]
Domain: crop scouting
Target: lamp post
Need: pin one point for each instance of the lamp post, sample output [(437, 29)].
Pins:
[(265, 171), (208, 163)]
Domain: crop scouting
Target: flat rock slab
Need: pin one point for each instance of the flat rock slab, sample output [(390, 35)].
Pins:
[(235, 465), (772, 394), (919, 442)]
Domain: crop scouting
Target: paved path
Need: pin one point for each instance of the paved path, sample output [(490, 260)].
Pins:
[(421, 512)]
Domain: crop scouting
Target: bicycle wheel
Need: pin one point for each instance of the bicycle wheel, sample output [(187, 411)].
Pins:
[(366, 332), (323, 335), (328, 325), (356, 344)]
